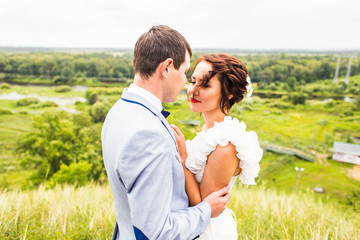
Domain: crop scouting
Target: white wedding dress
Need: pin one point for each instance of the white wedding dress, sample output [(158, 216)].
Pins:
[(249, 152)]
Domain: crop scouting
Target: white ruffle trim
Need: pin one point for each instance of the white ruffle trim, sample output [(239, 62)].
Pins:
[(230, 130)]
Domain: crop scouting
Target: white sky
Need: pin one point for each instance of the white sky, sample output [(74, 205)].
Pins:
[(244, 24)]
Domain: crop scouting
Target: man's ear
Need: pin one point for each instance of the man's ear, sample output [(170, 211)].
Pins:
[(165, 67)]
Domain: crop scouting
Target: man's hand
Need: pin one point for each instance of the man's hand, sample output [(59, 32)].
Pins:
[(218, 201)]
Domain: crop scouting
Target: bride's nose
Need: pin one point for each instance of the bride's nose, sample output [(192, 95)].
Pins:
[(192, 91)]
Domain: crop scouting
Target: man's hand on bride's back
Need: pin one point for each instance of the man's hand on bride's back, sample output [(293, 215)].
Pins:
[(180, 141), (218, 201)]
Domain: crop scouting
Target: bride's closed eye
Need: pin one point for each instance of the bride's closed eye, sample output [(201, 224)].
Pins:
[(192, 80)]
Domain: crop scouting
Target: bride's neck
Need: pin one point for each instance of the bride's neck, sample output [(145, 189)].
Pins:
[(211, 117)]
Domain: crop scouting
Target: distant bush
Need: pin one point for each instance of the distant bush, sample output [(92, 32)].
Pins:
[(347, 111), (23, 112), (354, 90), (272, 87), (2, 76), (345, 108), (357, 102), (5, 86), (5, 111), (298, 98), (109, 91), (247, 108), (330, 104), (353, 200), (91, 96), (278, 104), (277, 112), (27, 101), (76, 173), (63, 88), (285, 98), (61, 80), (291, 82), (49, 104), (99, 110)]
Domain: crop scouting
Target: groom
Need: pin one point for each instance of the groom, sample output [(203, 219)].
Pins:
[(140, 152)]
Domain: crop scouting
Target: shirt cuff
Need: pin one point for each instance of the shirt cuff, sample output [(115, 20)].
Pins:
[(206, 210)]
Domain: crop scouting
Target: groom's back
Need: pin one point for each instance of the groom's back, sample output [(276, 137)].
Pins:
[(132, 137), (123, 121)]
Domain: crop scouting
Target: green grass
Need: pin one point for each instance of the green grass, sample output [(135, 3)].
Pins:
[(88, 213), (62, 213), (278, 172), (43, 91), (12, 127), (266, 214)]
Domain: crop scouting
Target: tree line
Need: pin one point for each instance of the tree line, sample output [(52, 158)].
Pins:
[(65, 67), (265, 69)]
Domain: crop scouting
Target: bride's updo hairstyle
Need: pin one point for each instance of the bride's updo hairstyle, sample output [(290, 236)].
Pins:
[(232, 74)]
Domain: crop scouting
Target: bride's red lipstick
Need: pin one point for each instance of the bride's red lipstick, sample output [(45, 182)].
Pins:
[(193, 100)]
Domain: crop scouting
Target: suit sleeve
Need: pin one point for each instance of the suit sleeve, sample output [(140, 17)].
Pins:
[(145, 167)]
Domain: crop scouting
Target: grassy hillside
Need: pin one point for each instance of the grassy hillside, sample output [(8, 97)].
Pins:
[(11, 128), (88, 213), (265, 214)]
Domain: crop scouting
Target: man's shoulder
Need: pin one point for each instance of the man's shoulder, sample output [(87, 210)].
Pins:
[(129, 118), (123, 111)]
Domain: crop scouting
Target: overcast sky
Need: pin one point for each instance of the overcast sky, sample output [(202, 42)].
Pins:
[(250, 24)]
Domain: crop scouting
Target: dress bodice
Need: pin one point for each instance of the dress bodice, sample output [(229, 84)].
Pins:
[(228, 131)]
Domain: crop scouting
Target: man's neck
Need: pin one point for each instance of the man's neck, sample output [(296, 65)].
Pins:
[(151, 84)]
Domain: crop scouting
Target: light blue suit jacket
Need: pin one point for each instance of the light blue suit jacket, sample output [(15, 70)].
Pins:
[(146, 175)]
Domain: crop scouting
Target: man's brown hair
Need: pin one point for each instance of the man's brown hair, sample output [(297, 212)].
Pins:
[(155, 46)]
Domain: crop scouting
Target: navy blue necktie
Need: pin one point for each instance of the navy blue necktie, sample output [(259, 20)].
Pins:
[(165, 113)]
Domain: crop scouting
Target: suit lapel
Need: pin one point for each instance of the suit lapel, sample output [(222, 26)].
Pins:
[(139, 99), (142, 101)]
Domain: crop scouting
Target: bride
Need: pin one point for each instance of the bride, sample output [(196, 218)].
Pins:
[(223, 151)]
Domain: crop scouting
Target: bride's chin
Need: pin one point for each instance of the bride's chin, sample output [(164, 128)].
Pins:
[(194, 109)]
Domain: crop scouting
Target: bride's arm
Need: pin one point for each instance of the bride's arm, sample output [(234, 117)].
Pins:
[(221, 165), (192, 187)]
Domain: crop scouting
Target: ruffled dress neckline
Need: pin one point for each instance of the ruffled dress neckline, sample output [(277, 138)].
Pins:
[(222, 133)]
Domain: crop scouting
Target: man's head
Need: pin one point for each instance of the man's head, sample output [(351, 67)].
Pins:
[(161, 60), (155, 46)]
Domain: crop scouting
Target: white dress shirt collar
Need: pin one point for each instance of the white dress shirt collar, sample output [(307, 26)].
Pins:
[(147, 95)]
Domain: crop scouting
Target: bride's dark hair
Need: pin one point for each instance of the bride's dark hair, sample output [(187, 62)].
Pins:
[(232, 74)]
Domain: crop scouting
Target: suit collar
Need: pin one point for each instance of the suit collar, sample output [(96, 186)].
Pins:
[(140, 99), (149, 96), (133, 97)]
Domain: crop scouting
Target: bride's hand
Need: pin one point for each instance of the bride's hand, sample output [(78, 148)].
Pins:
[(180, 141)]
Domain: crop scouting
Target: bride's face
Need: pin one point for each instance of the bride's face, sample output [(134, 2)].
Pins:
[(204, 98)]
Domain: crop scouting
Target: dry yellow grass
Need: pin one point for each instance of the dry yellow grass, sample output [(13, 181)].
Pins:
[(88, 213)]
